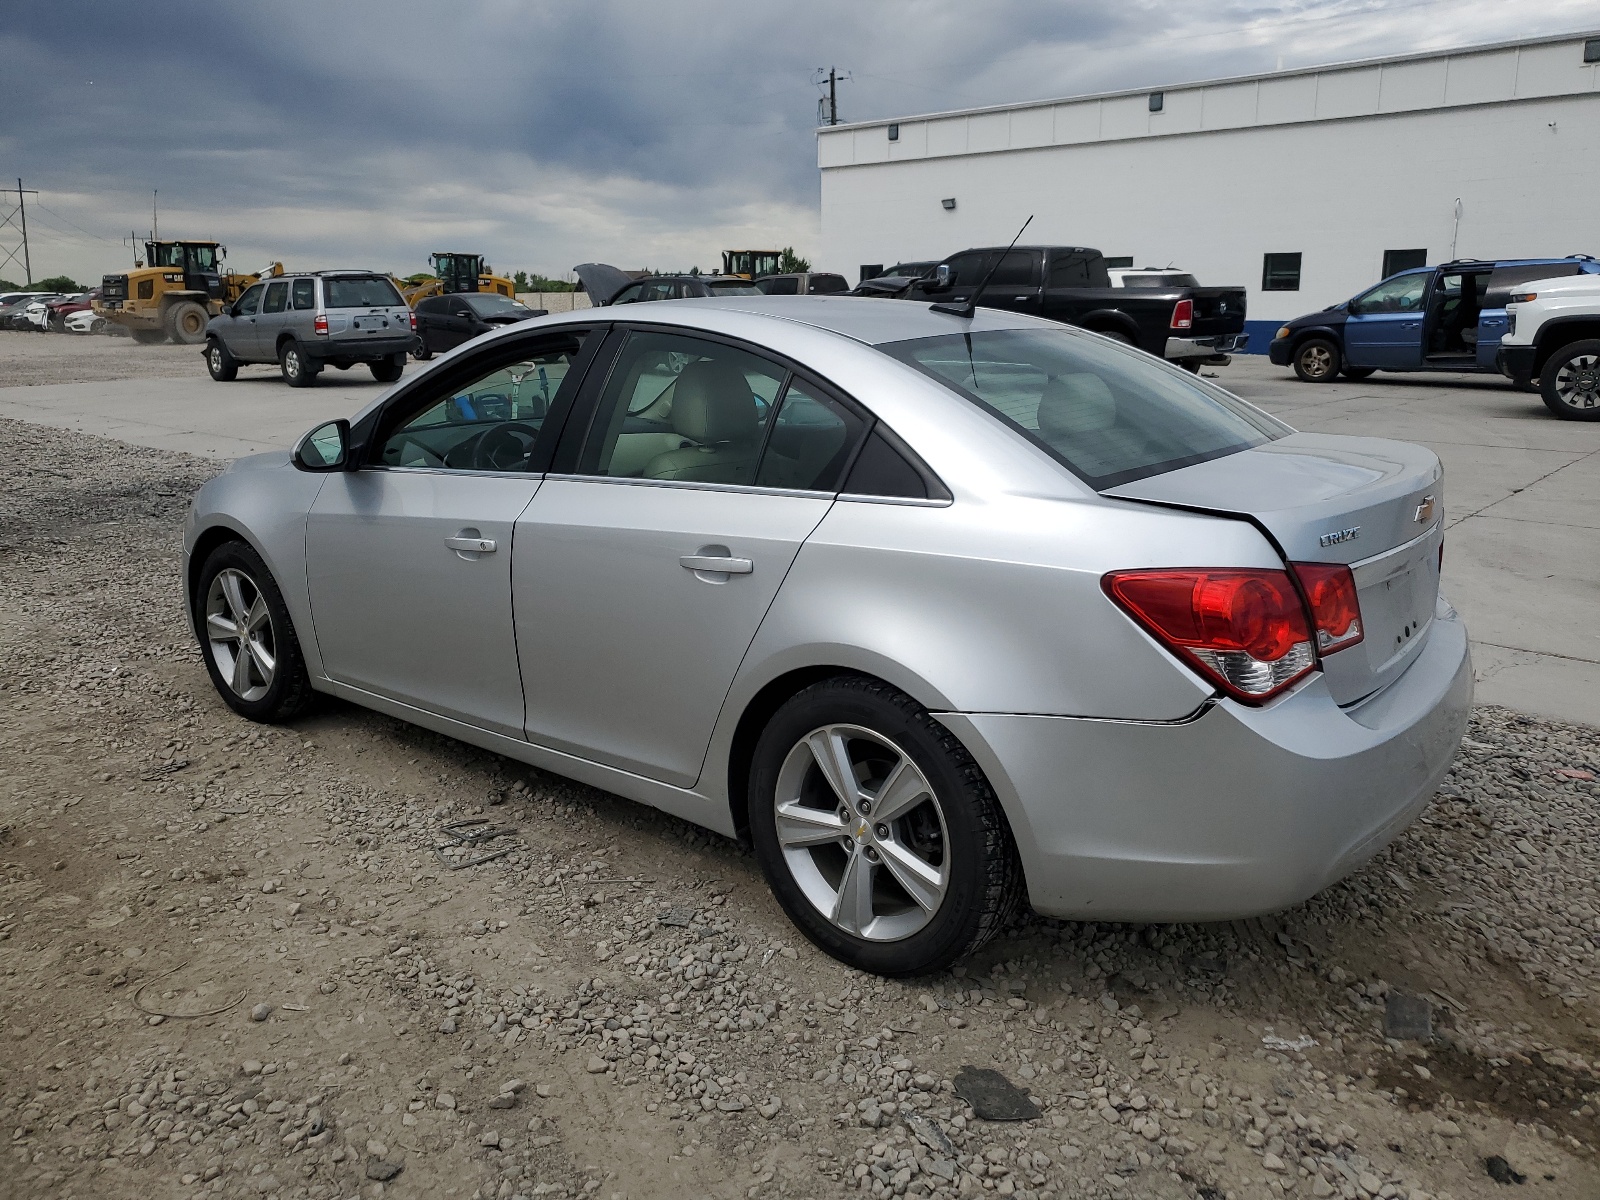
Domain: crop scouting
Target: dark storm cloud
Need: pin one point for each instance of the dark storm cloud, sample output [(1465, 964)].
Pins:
[(547, 134)]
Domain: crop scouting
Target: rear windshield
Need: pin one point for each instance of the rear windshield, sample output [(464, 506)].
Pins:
[(1160, 279), (732, 287), (371, 291), (489, 304), (1110, 414)]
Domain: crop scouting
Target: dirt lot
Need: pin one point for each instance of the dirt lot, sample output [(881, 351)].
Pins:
[(234, 961), (29, 358)]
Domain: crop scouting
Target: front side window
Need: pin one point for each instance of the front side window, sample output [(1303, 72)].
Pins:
[(1402, 294), (305, 294), (250, 302), (1280, 272), (679, 408), (489, 424), (372, 291), (1107, 413), (202, 258), (277, 297)]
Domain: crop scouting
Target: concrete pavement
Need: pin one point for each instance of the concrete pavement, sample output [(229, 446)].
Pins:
[(1522, 549)]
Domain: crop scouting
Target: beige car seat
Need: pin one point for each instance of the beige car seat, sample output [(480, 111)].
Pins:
[(713, 407), (1078, 416)]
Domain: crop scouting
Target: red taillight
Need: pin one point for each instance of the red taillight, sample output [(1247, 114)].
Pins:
[(1244, 630), (320, 325), (1335, 608), (1183, 314), (413, 317)]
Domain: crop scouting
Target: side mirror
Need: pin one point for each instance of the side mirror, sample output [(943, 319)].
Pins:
[(325, 448), (1353, 307), (942, 280), (464, 312)]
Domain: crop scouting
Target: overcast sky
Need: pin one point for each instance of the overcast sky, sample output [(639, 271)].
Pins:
[(543, 135)]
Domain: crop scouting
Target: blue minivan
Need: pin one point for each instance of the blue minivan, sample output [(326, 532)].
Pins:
[(1445, 318)]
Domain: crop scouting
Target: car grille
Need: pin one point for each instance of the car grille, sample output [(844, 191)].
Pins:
[(114, 287)]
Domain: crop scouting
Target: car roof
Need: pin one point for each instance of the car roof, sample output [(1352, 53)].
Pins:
[(860, 318)]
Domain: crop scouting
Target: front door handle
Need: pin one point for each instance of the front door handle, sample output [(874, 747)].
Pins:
[(709, 562), (472, 545)]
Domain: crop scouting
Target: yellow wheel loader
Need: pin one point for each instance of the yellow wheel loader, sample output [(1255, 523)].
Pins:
[(453, 273), (173, 293)]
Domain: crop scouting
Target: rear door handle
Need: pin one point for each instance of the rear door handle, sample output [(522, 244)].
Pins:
[(473, 545), (726, 566)]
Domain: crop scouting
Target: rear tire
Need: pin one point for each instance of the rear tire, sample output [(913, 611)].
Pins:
[(186, 323), (246, 637), (1356, 372), (148, 337), (1114, 335), (421, 351), (1317, 360), (298, 369), (851, 883), (390, 369), (1570, 381), (223, 366)]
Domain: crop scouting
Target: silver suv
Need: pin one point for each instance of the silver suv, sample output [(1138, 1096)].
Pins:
[(306, 321)]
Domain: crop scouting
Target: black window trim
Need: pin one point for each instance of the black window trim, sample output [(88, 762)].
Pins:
[(580, 419), (1299, 269), (373, 429)]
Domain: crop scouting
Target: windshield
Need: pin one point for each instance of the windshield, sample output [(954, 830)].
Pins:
[(1109, 414), (372, 291), (487, 304), (1159, 279)]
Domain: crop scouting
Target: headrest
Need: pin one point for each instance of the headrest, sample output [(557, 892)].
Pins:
[(712, 403), (1075, 404)]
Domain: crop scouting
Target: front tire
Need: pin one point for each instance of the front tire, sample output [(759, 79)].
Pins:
[(1317, 360), (421, 351), (390, 369), (223, 366), (298, 370), (186, 323), (247, 639), (877, 832), (1570, 381)]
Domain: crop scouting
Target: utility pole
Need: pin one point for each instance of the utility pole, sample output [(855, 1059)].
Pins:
[(828, 106), (21, 220), (155, 223)]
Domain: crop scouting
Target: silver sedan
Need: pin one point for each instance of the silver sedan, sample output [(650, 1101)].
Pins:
[(943, 614)]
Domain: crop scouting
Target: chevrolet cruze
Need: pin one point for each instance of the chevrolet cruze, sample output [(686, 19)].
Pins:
[(943, 613)]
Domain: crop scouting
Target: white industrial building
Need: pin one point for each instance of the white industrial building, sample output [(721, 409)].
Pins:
[(1302, 185)]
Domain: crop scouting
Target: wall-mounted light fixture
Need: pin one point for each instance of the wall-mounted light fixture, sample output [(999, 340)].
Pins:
[(1158, 101), (894, 133), (949, 203)]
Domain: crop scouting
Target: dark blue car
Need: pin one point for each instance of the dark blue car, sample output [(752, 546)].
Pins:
[(1445, 318)]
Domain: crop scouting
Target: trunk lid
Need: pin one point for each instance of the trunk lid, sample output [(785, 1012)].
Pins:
[(1373, 504)]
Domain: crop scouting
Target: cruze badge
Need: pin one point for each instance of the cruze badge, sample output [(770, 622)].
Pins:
[(1340, 535), (1424, 510)]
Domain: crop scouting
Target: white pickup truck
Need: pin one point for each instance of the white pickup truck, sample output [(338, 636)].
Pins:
[(1553, 340)]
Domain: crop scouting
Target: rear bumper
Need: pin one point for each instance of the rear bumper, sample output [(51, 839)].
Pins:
[(366, 350), (1280, 353), (1207, 347), (1515, 362), (1236, 812)]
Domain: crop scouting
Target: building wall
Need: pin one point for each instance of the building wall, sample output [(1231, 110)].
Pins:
[(1340, 190)]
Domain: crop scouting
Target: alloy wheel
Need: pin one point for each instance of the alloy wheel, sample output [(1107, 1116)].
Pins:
[(862, 833), (1578, 381), (216, 357), (239, 634), (1317, 361)]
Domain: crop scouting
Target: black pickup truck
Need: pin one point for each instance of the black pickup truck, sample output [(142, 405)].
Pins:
[(1189, 325)]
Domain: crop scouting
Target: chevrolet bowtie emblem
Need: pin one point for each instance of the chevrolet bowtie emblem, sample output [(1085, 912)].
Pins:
[(861, 830), (1424, 510)]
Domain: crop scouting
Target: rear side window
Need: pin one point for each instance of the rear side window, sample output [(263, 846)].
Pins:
[(1070, 271), (881, 470), (828, 285), (809, 442), (1109, 415), (277, 298), (370, 291), (305, 293)]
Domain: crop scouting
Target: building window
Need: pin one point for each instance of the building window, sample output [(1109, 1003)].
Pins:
[(1158, 100), (1591, 50), (949, 203), (1395, 261), (1280, 272), (894, 133), (1124, 261)]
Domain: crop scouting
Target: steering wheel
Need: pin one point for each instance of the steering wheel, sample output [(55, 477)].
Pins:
[(503, 447)]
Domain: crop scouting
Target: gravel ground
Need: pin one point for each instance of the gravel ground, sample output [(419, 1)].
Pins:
[(30, 358), (235, 961)]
